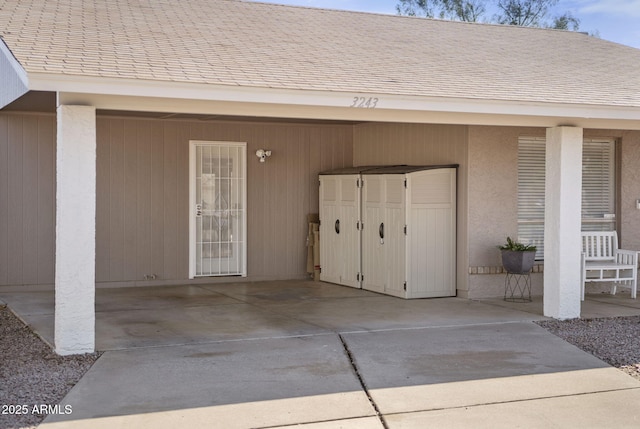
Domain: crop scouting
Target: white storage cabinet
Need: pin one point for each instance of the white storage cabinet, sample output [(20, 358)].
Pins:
[(390, 230), (409, 233), (340, 243)]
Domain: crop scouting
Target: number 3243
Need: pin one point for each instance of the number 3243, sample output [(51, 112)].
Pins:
[(364, 102)]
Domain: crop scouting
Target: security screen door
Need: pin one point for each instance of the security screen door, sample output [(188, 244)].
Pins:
[(218, 209)]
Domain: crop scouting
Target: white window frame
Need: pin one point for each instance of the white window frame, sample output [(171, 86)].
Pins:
[(193, 144), (598, 201)]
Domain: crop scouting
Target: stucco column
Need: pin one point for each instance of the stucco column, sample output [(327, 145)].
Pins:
[(562, 219), (75, 230)]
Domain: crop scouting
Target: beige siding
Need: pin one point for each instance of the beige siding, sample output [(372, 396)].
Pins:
[(389, 144), (419, 144), (143, 191), (143, 187), (142, 200), (27, 199)]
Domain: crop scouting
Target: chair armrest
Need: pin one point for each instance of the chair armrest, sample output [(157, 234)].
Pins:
[(628, 255), (628, 252)]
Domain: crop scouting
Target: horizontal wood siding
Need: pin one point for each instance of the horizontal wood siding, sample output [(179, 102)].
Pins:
[(421, 144), (142, 219), (27, 199)]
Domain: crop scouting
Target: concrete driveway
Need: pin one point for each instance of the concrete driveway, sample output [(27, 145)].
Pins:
[(316, 355)]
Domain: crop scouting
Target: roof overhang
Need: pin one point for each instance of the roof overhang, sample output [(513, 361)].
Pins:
[(176, 97), (13, 79)]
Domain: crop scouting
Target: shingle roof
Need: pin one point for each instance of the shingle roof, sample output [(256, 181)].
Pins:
[(240, 43)]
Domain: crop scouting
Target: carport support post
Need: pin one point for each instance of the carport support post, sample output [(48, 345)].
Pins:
[(562, 219), (75, 230)]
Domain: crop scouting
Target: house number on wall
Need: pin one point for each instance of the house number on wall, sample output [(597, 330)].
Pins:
[(364, 102)]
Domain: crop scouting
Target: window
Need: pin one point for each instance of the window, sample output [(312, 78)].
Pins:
[(598, 188)]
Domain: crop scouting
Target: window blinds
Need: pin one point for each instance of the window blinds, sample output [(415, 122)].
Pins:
[(598, 188)]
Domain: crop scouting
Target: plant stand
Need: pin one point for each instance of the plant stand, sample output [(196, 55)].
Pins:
[(517, 287)]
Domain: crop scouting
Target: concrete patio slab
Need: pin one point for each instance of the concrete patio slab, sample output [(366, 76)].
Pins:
[(595, 305), (256, 355), (234, 384), (363, 423), (607, 305), (383, 312), (462, 394), (123, 299), (117, 330), (596, 410), (286, 291), (176, 315), (445, 355), (30, 303), (265, 414)]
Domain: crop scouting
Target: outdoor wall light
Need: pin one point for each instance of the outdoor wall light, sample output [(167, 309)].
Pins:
[(263, 154)]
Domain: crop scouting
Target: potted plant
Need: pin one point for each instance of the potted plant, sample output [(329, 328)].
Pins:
[(518, 258)]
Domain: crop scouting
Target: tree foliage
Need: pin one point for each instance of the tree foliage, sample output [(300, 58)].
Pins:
[(566, 22), (415, 8), (464, 10), (527, 13)]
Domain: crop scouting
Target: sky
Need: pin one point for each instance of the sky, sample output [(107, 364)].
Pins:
[(614, 20)]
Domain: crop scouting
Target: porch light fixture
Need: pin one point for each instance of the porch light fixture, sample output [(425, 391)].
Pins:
[(263, 154)]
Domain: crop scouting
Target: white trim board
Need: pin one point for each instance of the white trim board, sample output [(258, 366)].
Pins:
[(180, 97)]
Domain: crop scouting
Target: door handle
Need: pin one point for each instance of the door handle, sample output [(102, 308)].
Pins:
[(198, 210), (337, 226), (381, 232)]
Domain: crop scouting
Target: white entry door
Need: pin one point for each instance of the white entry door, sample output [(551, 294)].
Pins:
[(218, 219)]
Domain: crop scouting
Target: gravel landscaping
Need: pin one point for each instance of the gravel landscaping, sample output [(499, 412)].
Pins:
[(615, 340), (31, 374)]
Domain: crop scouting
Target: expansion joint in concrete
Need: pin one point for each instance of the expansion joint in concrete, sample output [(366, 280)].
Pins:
[(361, 381)]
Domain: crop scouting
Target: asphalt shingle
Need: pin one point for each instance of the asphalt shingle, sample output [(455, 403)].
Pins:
[(240, 43)]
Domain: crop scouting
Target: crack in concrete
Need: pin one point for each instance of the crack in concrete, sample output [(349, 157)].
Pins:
[(297, 425), (361, 380), (513, 401)]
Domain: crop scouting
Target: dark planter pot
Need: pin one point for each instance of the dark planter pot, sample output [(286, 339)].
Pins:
[(518, 262)]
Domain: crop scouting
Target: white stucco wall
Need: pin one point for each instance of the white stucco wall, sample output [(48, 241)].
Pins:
[(629, 176), (75, 230), (493, 204), (492, 210), (562, 222)]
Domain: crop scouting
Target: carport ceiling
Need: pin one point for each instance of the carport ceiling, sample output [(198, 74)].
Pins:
[(43, 101), (199, 117)]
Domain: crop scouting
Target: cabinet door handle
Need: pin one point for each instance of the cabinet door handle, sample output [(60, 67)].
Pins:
[(381, 230), (337, 226)]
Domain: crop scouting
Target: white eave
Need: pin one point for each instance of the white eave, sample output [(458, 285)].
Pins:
[(15, 82), (178, 97)]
